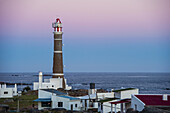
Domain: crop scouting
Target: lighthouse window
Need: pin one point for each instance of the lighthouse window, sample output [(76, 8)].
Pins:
[(5, 92), (75, 105), (52, 85)]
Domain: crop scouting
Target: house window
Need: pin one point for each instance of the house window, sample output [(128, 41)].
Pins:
[(75, 105), (5, 92), (13, 91), (46, 104), (135, 107), (60, 104)]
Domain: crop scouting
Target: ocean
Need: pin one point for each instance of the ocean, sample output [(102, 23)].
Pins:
[(148, 83)]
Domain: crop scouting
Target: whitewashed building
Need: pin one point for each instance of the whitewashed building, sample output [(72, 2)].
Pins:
[(121, 100), (7, 92), (52, 83), (139, 102), (52, 99)]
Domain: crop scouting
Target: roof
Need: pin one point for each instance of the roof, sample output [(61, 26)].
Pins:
[(58, 20), (107, 99), (123, 89), (92, 96), (154, 100), (54, 91), (121, 101), (43, 100), (71, 98)]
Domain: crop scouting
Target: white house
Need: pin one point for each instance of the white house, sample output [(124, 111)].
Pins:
[(7, 92), (51, 98), (124, 101), (52, 83), (139, 102)]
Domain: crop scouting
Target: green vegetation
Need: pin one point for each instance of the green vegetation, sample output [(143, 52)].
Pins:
[(25, 100), (26, 89)]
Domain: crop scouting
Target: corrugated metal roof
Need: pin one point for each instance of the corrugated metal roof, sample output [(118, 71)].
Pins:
[(43, 100), (71, 98), (54, 91), (154, 100)]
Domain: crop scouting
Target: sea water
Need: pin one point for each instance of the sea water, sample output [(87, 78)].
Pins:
[(148, 83)]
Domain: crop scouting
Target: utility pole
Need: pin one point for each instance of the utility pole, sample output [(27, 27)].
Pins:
[(19, 94)]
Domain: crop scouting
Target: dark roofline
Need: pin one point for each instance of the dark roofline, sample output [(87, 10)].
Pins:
[(54, 91), (123, 89)]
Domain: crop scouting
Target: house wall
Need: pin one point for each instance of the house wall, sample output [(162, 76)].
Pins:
[(56, 99), (53, 83), (128, 93), (139, 104), (104, 95), (44, 94), (11, 91), (74, 102)]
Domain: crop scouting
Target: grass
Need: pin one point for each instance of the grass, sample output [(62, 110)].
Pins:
[(25, 100)]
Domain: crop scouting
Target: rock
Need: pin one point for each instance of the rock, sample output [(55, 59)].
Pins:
[(130, 110)]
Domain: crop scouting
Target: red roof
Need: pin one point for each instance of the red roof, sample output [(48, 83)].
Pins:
[(58, 20), (154, 100)]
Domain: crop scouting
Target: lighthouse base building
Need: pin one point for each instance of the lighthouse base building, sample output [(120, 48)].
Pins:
[(52, 83)]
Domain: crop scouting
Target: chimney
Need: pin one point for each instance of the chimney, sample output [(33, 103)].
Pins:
[(92, 85), (92, 89), (40, 79), (165, 97)]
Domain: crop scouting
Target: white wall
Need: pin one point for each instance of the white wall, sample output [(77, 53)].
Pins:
[(54, 83), (128, 93), (11, 91), (139, 104), (66, 103), (44, 94), (56, 99), (105, 95), (74, 102)]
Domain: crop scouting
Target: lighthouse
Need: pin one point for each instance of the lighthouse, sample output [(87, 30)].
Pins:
[(58, 53), (57, 80)]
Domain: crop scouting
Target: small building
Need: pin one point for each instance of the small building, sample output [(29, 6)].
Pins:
[(139, 102), (52, 83), (52, 99), (124, 99), (125, 93), (7, 92)]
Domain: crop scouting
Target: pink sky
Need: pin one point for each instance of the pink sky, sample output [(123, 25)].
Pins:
[(97, 17)]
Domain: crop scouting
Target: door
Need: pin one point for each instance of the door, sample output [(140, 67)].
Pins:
[(71, 107)]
